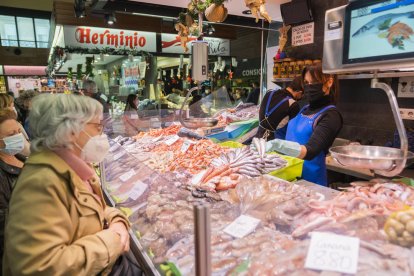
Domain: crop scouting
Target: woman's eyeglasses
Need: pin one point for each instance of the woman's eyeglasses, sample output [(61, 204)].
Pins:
[(99, 126)]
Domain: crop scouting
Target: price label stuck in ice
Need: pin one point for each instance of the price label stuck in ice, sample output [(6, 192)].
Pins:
[(119, 155), (138, 190), (242, 226), (157, 139), (333, 253), (126, 176), (186, 145), (172, 140), (114, 147)]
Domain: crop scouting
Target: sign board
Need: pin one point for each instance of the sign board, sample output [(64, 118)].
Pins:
[(303, 34), (333, 253), (171, 43), (406, 87), (92, 38), (249, 68)]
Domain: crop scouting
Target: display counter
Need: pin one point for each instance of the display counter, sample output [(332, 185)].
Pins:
[(154, 179)]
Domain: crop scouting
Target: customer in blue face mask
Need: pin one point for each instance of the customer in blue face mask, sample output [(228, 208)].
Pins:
[(11, 144), (311, 133)]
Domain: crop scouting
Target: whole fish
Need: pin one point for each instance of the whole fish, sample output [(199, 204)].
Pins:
[(375, 24)]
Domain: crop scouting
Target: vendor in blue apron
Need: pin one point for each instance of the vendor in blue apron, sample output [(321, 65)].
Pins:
[(277, 108), (311, 133)]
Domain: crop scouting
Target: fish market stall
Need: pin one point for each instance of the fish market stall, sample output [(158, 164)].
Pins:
[(259, 224), (156, 178)]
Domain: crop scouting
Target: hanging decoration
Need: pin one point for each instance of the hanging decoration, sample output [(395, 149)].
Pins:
[(79, 74), (216, 11), (185, 27), (258, 7), (89, 67), (283, 38)]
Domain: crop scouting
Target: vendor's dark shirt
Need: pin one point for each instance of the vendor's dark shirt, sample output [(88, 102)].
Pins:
[(278, 115), (325, 130)]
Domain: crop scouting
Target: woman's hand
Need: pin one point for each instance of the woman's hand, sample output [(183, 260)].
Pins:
[(120, 229)]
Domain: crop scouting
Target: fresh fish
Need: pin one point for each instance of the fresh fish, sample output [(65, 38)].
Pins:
[(374, 25)]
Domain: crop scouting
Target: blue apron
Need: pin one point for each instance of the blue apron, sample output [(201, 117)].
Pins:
[(281, 132), (300, 130)]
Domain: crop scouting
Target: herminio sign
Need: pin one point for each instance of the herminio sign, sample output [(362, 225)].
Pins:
[(91, 37)]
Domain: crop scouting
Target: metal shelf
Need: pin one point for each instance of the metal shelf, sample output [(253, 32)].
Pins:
[(359, 76)]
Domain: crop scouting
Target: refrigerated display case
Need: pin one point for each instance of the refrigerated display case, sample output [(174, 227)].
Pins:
[(159, 203)]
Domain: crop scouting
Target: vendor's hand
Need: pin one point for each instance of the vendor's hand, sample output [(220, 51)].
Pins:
[(286, 147), (120, 229)]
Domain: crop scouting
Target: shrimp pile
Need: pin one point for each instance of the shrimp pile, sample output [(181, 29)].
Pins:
[(197, 158), (171, 130)]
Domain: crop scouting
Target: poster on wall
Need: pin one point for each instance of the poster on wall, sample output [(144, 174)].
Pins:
[(18, 84), (303, 34), (131, 75), (92, 38), (406, 87), (171, 43)]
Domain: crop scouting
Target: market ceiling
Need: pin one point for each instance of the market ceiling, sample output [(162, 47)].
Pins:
[(235, 7)]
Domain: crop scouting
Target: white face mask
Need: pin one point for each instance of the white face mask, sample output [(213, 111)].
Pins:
[(95, 149), (14, 144)]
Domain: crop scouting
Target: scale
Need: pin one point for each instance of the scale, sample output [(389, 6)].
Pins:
[(199, 61), (346, 29)]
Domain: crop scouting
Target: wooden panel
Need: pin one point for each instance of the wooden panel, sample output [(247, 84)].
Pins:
[(28, 56), (315, 50)]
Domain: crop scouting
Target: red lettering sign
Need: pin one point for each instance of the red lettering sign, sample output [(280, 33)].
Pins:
[(86, 36)]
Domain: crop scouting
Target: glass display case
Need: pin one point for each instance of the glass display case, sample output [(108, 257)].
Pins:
[(159, 204)]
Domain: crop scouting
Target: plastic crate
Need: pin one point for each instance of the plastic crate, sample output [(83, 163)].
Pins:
[(292, 171), (231, 144), (243, 128), (220, 136)]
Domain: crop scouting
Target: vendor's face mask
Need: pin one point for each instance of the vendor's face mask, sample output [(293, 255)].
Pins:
[(313, 92)]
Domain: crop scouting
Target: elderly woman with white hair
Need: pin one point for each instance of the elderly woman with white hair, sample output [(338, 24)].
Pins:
[(58, 222)]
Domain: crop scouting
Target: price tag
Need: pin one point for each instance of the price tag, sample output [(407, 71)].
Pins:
[(134, 116), (172, 140), (242, 226), (186, 145), (158, 138), (126, 176), (119, 155), (139, 188), (333, 252), (114, 147)]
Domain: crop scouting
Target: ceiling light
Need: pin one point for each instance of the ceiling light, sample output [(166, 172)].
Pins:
[(80, 13), (247, 12), (110, 18), (79, 8)]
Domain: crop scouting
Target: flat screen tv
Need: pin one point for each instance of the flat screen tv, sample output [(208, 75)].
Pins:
[(295, 12), (378, 30)]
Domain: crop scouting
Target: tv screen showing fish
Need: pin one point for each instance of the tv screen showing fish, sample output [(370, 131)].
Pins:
[(379, 30)]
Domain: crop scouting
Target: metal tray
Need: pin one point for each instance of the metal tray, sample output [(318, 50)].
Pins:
[(199, 122), (369, 157)]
